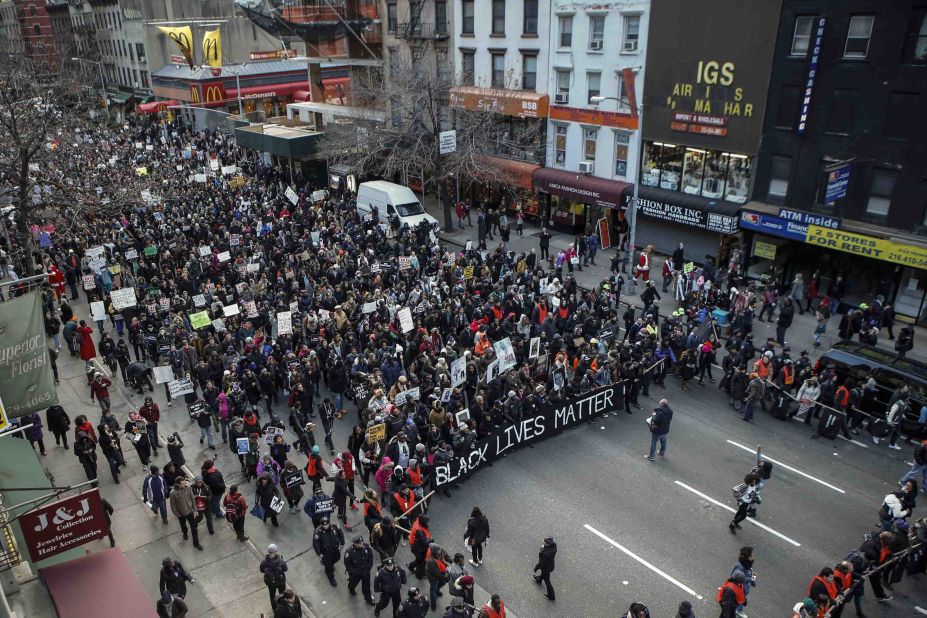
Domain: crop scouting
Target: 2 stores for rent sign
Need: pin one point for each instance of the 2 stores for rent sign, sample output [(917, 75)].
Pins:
[(867, 246), (549, 421), (63, 525)]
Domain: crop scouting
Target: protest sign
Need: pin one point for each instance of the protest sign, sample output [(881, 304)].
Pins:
[(459, 371), (253, 267), (124, 298), (270, 433), (405, 319), (492, 371), (505, 353), (229, 169), (250, 308), (234, 240), (165, 304), (131, 254), (405, 262), (179, 388), (225, 256), (548, 421), (242, 446), (199, 177), (204, 251), (218, 324), (89, 282), (376, 432), (535, 347), (163, 375), (97, 311), (462, 417), (196, 408), (369, 307), (199, 300), (200, 320), (446, 395), (285, 323), (468, 272), (318, 196), (150, 250), (214, 165), (291, 195)]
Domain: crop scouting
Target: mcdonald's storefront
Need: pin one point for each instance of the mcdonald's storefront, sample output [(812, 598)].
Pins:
[(267, 86)]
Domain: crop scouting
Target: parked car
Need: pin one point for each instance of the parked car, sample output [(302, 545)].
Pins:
[(860, 361)]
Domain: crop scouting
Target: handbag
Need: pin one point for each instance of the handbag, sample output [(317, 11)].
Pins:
[(257, 510)]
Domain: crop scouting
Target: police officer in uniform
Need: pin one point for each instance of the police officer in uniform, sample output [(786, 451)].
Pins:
[(327, 543), (358, 560), (416, 606), (389, 582)]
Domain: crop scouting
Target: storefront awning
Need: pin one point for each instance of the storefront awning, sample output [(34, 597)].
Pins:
[(302, 95), (514, 173), (268, 91), (120, 97), (497, 100), (122, 597), (678, 207), (155, 106), (579, 187)]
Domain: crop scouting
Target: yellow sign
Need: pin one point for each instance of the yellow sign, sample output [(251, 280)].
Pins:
[(200, 320), (141, 171), (468, 272), (4, 419), (212, 48), (764, 250), (377, 432), (688, 267), (867, 246), (183, 36)]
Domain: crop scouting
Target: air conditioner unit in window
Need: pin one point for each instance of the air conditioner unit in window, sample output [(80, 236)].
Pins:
[(562, 98), (586, 167), (630, 46), (595, 45)]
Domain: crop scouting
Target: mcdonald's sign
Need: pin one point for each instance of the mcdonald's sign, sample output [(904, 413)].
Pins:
[(195, 93), (212, 48), (214, 93)]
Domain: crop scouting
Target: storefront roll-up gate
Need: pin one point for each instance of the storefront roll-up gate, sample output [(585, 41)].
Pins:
[(666, 236)]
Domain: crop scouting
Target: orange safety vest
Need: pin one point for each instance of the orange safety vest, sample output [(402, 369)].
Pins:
[(442, 566), (367, 506), (831, 586), (404, 505), (542, 314), (415, 528), (845, 579), (788, 375), (491, 613), (738, 592), (761, 369), (312, 467), (415, 476), (842, 396)]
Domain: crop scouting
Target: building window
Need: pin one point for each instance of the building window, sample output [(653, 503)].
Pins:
[(622, 140), (498, 16), (441, 17), (529, 71), (392, 21), (801, 35), (902, 107), (37, 29), (624, 104), (779, 169), (466, 17), (566, 30), (393, 61), (589, 138), (915, 48), (563, 84), (842, 112), (468, 65), (858, 35), (789, 104), (693, 171), (145, 82), (593, 83), (596, 31), (880, 195), (134, 78), (632, 33), (131, 54), (140, 51), (498, 70), (531, 17), (395, 112), (560, 143), (32, 10)]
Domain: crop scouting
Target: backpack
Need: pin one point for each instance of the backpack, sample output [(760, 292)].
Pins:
[(739, 490), (231, 511)]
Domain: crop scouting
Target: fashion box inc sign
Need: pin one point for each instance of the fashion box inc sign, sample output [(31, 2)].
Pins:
[(550, 421), (64, 525)]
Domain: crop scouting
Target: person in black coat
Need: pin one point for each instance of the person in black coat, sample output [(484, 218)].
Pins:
[(358, 560), (327, 543), (476, 534), (274, 568), (659, 428), (545, 566), (416, 606), (59, 423), (786, 313), (389, 582), (174, 578)]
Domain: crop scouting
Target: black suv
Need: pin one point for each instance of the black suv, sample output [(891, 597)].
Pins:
[(861, 361)]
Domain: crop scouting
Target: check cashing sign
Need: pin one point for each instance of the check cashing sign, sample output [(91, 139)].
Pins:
[(551, 420)]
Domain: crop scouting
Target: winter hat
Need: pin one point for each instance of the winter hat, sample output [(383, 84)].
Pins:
[(271, 549), (316, 450), (167, 598), (466, 580), (685, 609), (457, 602)]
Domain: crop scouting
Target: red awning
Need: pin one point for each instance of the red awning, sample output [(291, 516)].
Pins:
[(580, 187), (302, 95), (155, 106), (70, 585), (334, 81), (268, 91)]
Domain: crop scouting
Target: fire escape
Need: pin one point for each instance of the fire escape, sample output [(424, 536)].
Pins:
[(419, 35)]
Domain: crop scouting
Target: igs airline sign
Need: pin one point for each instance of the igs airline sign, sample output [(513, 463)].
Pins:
[(64, 525), (714, 94), (550, 421)]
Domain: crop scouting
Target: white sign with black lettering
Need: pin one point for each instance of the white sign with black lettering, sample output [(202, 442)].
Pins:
[(405, 319), (163, 375), (179, 388), (285, 323), (124, 298), (459, 371), (291, 195)]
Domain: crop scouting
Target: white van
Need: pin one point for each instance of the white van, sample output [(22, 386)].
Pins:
[(392, 201)]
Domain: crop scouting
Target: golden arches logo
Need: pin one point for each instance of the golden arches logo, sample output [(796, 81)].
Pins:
[(214, 93), (195, 93)]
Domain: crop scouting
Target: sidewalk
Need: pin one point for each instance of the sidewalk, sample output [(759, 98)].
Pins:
[(227, 582), (800, 336)]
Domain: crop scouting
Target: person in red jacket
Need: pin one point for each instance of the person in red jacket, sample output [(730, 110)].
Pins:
[(56, 279), (731, 595), (88, 350), (236, 509), (99, 390)]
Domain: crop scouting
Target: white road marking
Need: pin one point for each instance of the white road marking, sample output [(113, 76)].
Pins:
[(749, 519), (779, 463), (921, 610), (856, 442), (631, 554)]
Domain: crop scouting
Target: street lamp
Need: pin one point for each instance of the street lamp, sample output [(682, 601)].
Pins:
[(632, 207), (102, 81), (238, 87)]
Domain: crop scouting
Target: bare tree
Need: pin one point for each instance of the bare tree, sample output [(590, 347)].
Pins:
[(400, 137), (54, 149)]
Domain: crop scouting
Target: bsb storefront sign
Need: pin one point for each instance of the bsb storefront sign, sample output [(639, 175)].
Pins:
[(867, 246), (550, 421)]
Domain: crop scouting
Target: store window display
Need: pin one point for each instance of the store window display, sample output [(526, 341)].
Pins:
[(693, 169), (708, 173)]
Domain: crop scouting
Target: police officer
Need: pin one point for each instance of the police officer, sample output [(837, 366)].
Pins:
[(319, 507), (327, 543), (358, 560), (389, 582), (416, 606)]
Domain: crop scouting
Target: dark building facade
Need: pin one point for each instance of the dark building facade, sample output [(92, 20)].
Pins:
[(840, 183)]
